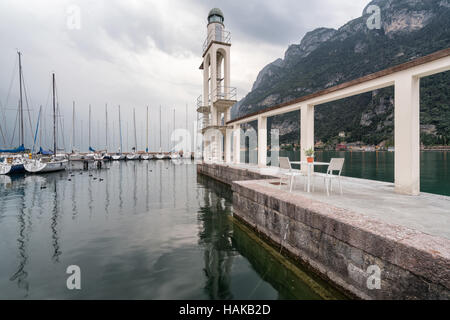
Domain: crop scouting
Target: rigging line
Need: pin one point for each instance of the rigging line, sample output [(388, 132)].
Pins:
[(44, 123), (1, 130), (13, 76), (28, 105), (60, 118), (15, 125), (3, 136), (37, 128)]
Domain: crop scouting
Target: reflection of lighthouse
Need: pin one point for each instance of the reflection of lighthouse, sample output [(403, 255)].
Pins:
[(214, 106), (215, 237)]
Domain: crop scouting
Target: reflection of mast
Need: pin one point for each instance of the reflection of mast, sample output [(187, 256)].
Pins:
[(21, 275), (146, 188), (54, 227), (160, 184), (173, 192), (74, 202), (135, 186), (120, 187)]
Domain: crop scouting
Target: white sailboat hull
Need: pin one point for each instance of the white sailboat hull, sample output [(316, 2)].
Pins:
[(5, 169), (174, 156), (160, 156), (117, 157), (43, 167), (10, 168), (147, 157), (133, 157)]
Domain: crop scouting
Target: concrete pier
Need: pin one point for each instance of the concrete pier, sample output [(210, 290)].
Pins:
[(367, 234)]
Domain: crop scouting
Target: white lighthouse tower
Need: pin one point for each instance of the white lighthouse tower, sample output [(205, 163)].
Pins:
[(214, 106)]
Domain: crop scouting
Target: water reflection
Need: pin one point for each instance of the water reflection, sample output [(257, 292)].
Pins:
[(21, 274), (215, 237), (149, 230)]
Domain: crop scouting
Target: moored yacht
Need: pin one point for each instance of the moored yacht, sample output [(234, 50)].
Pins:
[(53, 163)]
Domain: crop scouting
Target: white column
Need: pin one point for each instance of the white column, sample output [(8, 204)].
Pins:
[(262, 142), (228, 142), (306, 131), (206, 80), (213, 85), (407, 135), (226, 81), (237, 144)]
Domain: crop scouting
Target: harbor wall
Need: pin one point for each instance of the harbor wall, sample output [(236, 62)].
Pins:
[(366, 258)]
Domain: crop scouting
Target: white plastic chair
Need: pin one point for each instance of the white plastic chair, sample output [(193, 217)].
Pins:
[(336, 164), (286, 164)]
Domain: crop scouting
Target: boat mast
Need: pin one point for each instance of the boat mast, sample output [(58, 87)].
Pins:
[(89, 127), (21, 100), (54, 116), (73, 126), (135, 138), (173, 147), (160, 146), (106, 111), (187, 130), (40, 128), (146, 149), (120, 130)]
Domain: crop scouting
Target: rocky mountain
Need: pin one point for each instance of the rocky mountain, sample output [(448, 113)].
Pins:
[(327, 57)]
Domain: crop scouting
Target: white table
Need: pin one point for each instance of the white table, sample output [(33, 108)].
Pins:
[(310, 169)]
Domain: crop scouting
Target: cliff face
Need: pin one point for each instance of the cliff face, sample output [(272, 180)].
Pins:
[(326, 57)]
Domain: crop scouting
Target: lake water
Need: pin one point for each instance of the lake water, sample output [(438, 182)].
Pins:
[(137, 230), (434, 166)]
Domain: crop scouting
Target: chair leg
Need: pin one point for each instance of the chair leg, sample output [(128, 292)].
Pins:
[(326, 186), (292, 180), (340, 186)]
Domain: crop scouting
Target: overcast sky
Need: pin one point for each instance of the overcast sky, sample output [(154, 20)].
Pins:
[(140, 52)]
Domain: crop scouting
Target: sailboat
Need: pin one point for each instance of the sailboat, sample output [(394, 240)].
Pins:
[(146, 155), (119, 155), (53, 163), (133, 155), (15, 162), (160, 155)]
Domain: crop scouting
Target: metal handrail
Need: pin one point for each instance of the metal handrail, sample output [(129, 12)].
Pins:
[(224, 93), (220, 36), (200, 102)]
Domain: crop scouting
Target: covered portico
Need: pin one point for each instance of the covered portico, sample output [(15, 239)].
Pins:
[(406, 80)]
